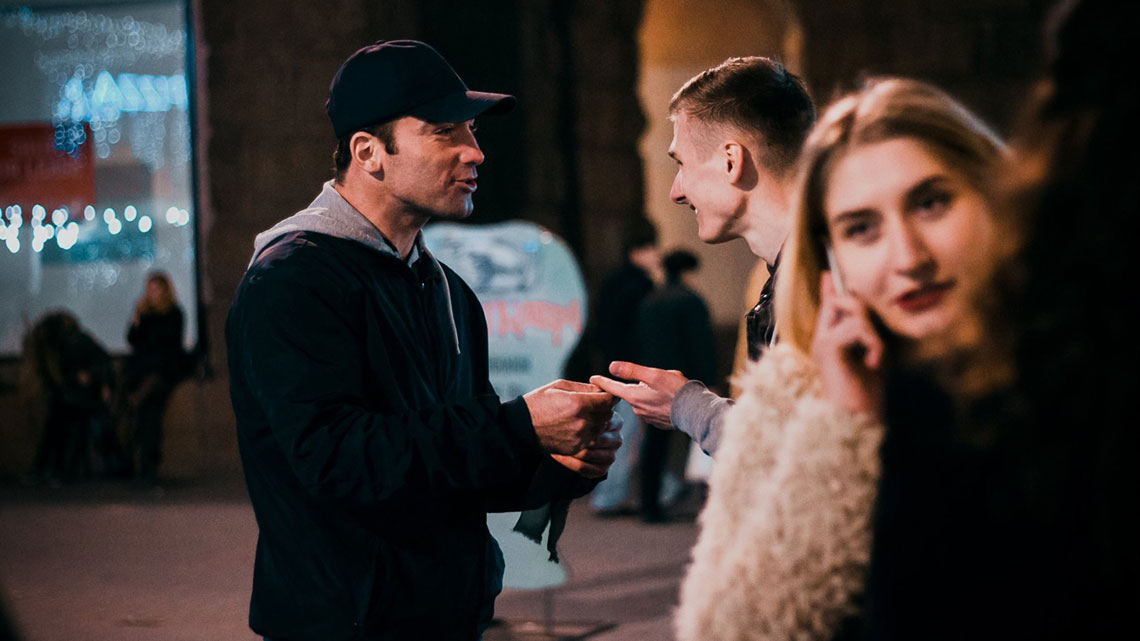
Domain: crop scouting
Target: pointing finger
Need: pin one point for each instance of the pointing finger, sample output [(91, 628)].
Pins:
[(634, 372), (611, 386), (594, 401), (574, 386)]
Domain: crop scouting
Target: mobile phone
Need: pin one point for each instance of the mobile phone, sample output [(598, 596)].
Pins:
[(833, 267)]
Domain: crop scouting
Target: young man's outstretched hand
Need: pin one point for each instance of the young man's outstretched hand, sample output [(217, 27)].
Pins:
[(651, 396)]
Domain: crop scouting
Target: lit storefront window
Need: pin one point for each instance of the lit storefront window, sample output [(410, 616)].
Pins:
[(96, 163)]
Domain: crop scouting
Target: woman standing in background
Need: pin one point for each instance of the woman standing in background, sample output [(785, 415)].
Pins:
[(153, 369)]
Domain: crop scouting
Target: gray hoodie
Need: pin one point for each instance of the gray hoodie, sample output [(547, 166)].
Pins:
[(332, 215)]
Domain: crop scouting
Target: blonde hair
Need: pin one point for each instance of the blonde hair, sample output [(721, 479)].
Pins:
[(884, 109), (169, 300)]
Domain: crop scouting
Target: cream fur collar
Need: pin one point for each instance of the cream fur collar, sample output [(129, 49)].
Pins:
[(785, 536)]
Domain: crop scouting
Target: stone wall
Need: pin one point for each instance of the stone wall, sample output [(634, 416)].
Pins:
[(984, 52)]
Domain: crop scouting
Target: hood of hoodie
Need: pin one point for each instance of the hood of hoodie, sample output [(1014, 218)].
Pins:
[(331, 214)]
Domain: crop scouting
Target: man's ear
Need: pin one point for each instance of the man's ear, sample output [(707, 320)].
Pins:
[(734, 158), (367, 151)]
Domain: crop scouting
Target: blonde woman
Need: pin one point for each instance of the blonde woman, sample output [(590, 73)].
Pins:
[(894, 185), (155, 366)]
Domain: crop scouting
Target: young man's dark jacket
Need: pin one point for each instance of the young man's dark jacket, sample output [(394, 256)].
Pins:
[(372, 442)]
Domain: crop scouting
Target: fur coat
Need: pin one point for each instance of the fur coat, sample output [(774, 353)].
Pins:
[(785, 537)]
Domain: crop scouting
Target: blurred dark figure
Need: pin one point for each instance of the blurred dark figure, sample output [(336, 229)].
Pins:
[(673, 331), (1007, 507), (622, 292), (66, 375), (613, 327), (156, 364)]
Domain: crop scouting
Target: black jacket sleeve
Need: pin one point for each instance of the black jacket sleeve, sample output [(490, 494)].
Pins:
[(550, 481), (298, 342)]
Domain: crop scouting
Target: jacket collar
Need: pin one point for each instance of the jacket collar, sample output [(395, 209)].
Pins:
[(331, 214)]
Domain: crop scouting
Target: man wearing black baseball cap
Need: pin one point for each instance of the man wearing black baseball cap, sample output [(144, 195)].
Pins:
[(372, 441)]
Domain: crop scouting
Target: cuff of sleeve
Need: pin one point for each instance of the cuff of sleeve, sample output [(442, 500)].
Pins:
[(683, 401), (562, 483), (698, 413), (517, 421)]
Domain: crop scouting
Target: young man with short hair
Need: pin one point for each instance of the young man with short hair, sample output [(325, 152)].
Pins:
[(737, 131)]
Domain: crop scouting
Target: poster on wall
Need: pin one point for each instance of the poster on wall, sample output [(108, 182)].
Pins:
[(34, 170)]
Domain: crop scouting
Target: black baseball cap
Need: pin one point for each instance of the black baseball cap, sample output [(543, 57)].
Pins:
[(396, 78)]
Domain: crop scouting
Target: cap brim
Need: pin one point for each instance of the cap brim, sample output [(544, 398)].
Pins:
[(460, 107)]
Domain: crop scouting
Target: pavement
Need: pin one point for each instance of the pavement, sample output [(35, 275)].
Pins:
[(100, 561)]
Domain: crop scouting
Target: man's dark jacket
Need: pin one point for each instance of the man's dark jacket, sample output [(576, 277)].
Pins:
[(373, 444)]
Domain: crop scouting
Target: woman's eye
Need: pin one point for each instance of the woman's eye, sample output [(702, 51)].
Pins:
[(860, 231), (443, 131), (935, 202)]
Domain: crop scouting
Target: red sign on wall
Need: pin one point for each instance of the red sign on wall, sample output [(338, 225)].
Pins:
[(34, 172)]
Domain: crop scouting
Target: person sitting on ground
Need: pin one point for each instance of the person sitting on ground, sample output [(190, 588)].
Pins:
[(66, 377)]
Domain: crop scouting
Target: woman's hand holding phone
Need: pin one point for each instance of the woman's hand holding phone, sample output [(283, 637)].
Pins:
[(847, 351)]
